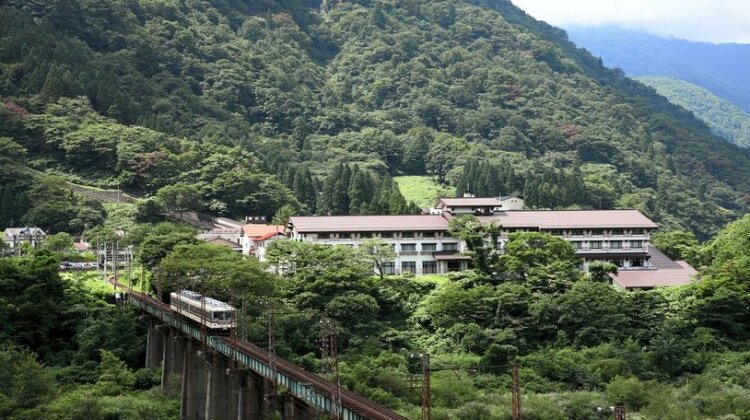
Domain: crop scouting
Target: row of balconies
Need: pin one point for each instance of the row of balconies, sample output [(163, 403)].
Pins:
[(624, 248)]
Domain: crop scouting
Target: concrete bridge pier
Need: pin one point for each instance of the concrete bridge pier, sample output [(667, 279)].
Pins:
[(295, 409), (251, 396), (195, 378), (154, 346), (222, 391), (174, 354)]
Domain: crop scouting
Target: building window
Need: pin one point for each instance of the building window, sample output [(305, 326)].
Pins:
[(597, 232), (407, 234), (409, 267), (615, 244), (429, 267), (617, 232), (636, 244), (596, 244), (576, 245), (324, 236), (428, 234), (637, 231), (386, 234), (408, 248), (429, 247), (556, 232), (389, 268), (450, 246), (345, 235), (365, 235), (576, 232)]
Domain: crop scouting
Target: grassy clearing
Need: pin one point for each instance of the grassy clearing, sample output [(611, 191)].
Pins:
[(437, 279), (423, 190)]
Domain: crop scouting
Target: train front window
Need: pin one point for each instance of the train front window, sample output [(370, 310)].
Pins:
[(222, 316)]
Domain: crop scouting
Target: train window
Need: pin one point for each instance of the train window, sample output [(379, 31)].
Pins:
[(222, 316)]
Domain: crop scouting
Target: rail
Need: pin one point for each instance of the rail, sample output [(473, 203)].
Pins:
[(304, 385)]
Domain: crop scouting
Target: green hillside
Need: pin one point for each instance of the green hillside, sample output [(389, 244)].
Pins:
[(240, 108), (422, 190), (725, 119)]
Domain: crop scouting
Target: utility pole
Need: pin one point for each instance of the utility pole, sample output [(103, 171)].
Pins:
[(619, 412), (104, 261), (116, 250), (204, 331), (272, 350), (426, 388), (515, 392), (330, 364)]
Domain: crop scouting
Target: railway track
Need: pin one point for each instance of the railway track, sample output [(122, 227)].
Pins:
[(349, 399)]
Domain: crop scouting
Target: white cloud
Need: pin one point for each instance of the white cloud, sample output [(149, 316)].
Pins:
[(697, 20)]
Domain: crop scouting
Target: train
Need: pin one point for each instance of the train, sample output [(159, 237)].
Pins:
[(218, 315)]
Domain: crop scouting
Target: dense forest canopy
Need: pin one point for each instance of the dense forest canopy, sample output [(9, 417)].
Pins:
[(241, 108)]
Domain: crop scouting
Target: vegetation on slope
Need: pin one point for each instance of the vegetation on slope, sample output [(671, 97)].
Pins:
[(250, 107), (422, 190), (725, 119), (719, 68)]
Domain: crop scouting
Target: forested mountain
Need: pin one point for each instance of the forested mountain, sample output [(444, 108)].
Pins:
[(719, 68), (240, 107), (724, 118)]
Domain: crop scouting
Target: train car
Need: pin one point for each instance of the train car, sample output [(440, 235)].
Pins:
[(218, 315)]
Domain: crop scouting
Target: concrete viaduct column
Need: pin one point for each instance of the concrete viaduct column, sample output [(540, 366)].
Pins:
[(195, 376), (154, 346), (251, 397), (174, 353), (223, 390)]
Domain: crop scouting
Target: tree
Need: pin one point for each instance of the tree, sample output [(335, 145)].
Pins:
[(114, 376), (161, 239), (676, 244), (545, 262), (283, 214), (599, 271), (10, 151), (481, 241), (378, 252), (26, 383), (225, 274), (59, 242), (179, 198)]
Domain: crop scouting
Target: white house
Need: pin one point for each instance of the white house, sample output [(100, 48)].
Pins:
[(16, 237), (256, 238)]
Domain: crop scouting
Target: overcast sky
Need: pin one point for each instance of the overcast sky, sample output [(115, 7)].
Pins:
[(696, 20)]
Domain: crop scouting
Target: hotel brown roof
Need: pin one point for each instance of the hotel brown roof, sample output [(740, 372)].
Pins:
[(368, 223), (666, 272), (571, 219), (639, 279), (541, 219)]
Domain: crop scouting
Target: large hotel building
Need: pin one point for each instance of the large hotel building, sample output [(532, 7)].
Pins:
[(424, 246)]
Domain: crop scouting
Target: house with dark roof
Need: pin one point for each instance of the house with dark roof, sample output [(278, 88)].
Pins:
[(14, 238)]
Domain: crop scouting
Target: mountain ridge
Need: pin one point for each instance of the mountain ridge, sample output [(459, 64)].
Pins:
[(242, 105), (719, 68)]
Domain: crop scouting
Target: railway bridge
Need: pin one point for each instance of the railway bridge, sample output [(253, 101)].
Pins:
[(227, 378)]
